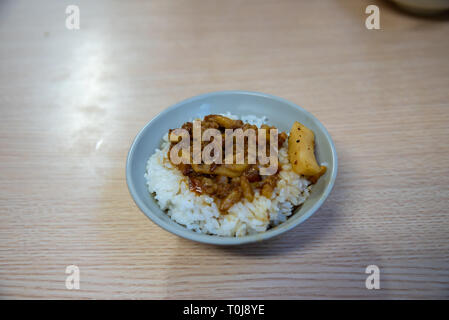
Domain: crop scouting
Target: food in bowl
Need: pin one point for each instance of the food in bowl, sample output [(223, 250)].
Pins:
[(206, 181)]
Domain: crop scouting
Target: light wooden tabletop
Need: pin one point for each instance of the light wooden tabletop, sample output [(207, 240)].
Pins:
[(72, 101)]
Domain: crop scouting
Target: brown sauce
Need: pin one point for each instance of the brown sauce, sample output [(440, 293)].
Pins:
[(228, 183)]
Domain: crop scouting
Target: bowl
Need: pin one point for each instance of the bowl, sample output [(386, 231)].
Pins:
[(423, 6), (280, 113)]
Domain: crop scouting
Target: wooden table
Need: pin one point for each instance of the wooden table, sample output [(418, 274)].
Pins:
[(73, 100)]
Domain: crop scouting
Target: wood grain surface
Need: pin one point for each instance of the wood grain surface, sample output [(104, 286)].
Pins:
[(73, 101)]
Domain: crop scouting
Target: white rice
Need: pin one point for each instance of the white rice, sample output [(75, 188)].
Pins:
[(200, 213)]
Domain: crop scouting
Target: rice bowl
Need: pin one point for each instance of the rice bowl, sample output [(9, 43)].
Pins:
[(280, 113)]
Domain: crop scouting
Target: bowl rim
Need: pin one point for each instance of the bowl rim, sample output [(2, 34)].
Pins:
[(226, 240)]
